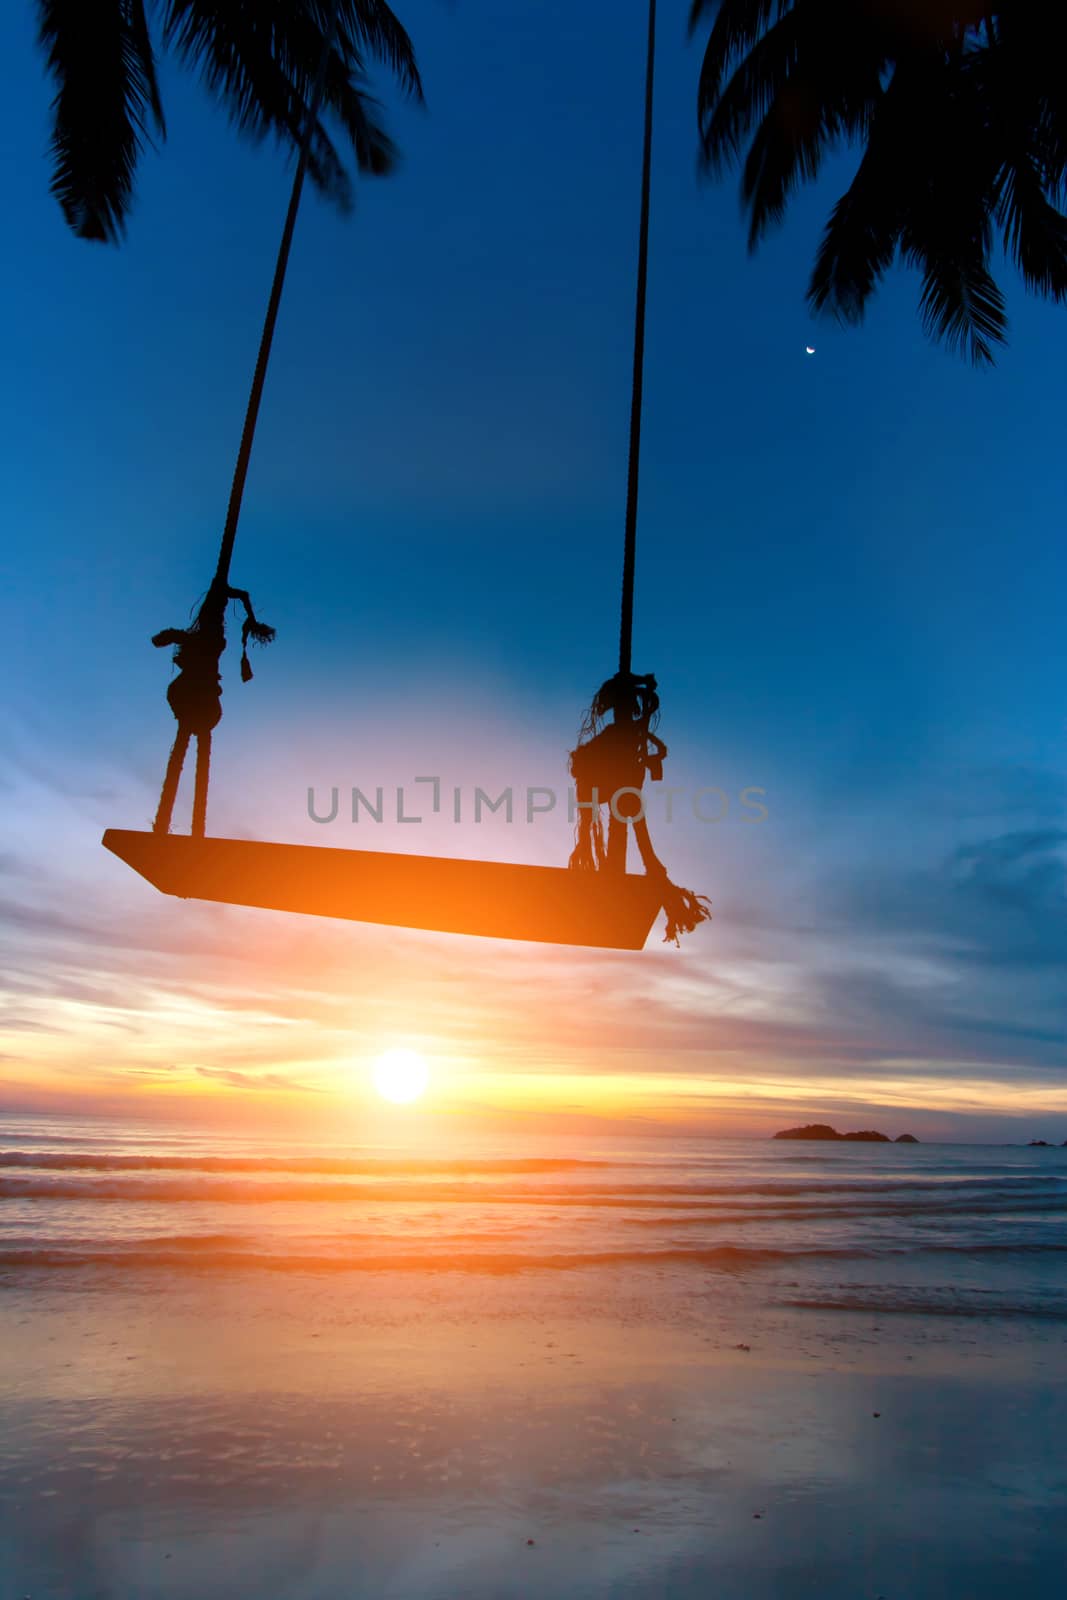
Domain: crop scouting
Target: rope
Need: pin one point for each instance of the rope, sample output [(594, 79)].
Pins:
[(240, 471), (626, 749), (626, 624)]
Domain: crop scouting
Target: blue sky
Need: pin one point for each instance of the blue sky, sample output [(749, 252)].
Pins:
[(851, 581)]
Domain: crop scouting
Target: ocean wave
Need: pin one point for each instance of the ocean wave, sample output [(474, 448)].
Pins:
[(347, 1166), (669, 1204), (371, 1252), (920, 1304), (1032, 1208), (473, 1166), (225, 1254)]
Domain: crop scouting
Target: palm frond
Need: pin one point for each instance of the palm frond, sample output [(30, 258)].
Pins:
[(381, 33), (729, 112), (961, 304), (948, 235), (1035, 232), (1017, 79), (859, 242), (810, 118), (346, 97), (242, 56), (261, 62), (810, 83), (737, 27), (950, 203), (1024, 74), (959, 111), (100, 55), (361, 117)]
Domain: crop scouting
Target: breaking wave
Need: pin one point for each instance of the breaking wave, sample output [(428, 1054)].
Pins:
[(923, 1224)]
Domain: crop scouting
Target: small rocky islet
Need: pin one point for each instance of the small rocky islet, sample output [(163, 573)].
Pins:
[(823, 1130)]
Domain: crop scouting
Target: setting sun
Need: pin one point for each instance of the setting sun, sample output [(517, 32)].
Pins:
[(401, 1076)]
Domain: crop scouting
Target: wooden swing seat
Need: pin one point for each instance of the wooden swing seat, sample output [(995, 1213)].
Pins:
[(494, 899)]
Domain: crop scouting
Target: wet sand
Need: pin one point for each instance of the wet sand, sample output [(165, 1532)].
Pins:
[(307, 1437)]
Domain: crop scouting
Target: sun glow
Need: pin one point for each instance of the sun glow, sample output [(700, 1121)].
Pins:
[(401, 1076)]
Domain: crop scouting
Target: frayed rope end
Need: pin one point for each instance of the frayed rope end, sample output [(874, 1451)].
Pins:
[(685, 911)]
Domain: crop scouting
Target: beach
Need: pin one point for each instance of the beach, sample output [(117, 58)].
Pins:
[(883, 1421)]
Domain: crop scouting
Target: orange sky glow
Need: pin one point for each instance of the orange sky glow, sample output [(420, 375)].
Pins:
[(124, 1002)]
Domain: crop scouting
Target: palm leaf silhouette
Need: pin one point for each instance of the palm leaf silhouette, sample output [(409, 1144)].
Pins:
[(257, 60), (958, 112)]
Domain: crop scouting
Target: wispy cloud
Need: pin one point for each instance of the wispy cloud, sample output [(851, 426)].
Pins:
[(254, 1080), (828, 971)]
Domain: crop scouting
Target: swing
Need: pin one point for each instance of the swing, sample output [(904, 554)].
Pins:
[(592, 901)]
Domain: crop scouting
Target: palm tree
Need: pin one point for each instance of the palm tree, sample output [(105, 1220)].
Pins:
[(960, 115), (258, 58)]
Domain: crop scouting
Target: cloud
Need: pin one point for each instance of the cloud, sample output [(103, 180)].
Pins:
[(972, 945), (253, 1080), (945, 953), (996, 902), (51, 923)]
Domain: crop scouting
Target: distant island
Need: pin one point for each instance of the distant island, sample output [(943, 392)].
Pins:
[(823, 1130)]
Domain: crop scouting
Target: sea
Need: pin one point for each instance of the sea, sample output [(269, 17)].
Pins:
[(928, 1229), (591, 1368)]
